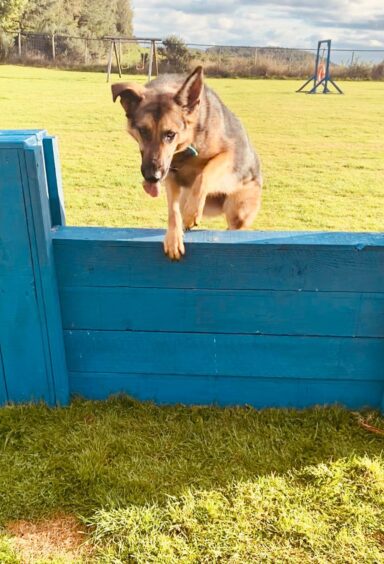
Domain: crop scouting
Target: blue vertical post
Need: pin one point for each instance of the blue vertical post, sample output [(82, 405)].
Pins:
[(316, 66), (53, 172), (32, 359)]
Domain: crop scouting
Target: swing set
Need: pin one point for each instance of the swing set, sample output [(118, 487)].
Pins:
[(148, 56), (321, 76)]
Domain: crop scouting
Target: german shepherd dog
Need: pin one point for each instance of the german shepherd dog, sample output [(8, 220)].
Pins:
[(191, 142)]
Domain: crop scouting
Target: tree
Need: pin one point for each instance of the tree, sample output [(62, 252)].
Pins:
[(88, 18), (10, 11), (124, 18), (175, 53)]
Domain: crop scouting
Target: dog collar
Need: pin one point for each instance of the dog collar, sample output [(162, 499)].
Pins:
[(191, 151)]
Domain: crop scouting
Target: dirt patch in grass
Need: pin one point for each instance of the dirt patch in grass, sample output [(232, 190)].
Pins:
[(60, 538)]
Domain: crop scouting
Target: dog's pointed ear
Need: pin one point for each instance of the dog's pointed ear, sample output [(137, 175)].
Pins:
[(189, 94), (131, 95)]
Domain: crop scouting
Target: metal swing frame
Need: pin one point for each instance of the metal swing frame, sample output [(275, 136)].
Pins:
[(326, 79)]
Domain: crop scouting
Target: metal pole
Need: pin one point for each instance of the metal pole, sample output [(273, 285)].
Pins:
[(316, 67), (327, 77)]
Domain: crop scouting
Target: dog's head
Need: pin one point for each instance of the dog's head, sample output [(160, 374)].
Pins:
[(162, 120)]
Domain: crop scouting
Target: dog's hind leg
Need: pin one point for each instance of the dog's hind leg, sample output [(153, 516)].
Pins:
[(241, 207)]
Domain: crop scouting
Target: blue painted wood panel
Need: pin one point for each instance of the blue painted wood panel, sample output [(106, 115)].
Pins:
[(39, 221), (246, 356), (260, 393), (224, 311), (24, 361), (267, 319), (119, 236), (54, 180), (30, 324), (136, 263)]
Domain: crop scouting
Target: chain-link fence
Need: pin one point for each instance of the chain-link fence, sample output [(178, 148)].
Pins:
[(72, 51), (286, 62), (225, 61)]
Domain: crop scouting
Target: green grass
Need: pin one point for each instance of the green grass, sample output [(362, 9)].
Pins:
[(178, 484), (322, 155), (7, 553)]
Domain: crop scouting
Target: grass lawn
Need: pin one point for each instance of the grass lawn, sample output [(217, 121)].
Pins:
[(322, 155), (191, 485), (146, 484)]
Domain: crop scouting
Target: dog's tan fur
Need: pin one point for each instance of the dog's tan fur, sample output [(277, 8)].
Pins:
[(171, 114)]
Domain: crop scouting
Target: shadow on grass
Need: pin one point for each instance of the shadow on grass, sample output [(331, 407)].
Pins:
[(110, 454)]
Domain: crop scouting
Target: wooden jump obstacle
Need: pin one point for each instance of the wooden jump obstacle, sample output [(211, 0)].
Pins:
[(267, 319)]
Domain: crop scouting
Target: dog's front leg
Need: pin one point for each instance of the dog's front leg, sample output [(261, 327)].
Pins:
[(193, 206), (173, 242), (215, 171)]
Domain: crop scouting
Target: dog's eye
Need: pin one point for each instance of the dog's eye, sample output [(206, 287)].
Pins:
[(169, 136), (144, 132)]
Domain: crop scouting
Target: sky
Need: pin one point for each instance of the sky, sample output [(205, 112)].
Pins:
[(284, 23)]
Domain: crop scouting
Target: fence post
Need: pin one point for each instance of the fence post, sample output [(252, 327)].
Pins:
[(53, 47), (150, 61), (32, 359), (19, 43), (86, 51)]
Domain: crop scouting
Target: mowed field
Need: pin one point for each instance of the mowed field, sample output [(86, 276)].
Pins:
[(323, 156)]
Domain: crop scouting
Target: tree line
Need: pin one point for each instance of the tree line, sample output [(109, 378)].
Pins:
[(84, 18)]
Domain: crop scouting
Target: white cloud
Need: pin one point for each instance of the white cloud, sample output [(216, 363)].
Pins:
[(286, 23)]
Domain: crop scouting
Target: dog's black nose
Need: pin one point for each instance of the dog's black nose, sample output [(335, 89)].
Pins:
[(151, 175), (153, 179)]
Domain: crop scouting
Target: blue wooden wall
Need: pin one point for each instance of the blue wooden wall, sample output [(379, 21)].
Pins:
[(267, 319)]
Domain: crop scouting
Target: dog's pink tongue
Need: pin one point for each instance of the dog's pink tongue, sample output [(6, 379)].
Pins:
[(152, 188)]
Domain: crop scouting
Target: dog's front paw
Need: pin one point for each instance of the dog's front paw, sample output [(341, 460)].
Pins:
[(191, 216), (173, 244)]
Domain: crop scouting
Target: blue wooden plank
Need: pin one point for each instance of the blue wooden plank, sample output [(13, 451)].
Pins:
[(22, 133), (260, 393), (223, 311), (249, 356), (39, 225), (24, 362), (119, 236), (54, 180), (220, 266), (21, 139)]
